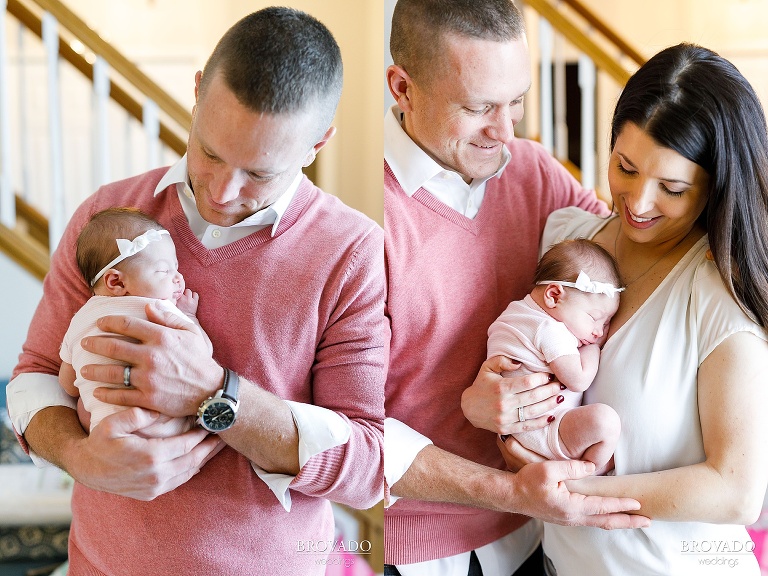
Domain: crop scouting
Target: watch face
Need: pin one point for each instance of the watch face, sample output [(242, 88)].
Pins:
[(218, 416)]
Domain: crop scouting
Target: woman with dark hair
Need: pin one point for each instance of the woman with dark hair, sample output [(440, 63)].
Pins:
[(686, 357)]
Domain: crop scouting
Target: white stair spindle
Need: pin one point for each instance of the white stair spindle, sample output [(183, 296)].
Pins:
[(561, 125), (24, 155), (57, 216), (151, 120), (100, 123), (128, 152), (545, 48), (7, 200), (587, 81)]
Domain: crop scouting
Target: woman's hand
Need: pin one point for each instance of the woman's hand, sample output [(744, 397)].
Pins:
[(493, 400)]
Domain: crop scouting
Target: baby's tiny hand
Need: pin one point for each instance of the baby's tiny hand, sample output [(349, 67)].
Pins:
[(188, 302)]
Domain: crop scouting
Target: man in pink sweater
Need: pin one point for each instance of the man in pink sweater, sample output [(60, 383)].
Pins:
[(291, 289), (465, 205)]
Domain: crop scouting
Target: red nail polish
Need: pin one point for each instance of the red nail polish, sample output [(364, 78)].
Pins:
[(562, 386), (550, 419), (560, 399)]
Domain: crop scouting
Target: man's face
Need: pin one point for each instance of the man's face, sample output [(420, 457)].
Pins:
[(464, 109), (241, 161)]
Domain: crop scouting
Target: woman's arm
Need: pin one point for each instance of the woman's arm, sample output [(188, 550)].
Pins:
[(729, 486)]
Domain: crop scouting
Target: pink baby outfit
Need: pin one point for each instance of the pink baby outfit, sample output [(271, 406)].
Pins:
[(84, 324), (527, 334), (300, 314)]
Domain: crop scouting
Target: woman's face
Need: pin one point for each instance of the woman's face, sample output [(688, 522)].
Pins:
[(659, 194)]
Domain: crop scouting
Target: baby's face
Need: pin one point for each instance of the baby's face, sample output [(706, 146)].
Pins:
[(587, 316), (154, 272)]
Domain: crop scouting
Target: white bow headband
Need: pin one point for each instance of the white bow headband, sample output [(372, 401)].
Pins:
[(128, 248), (584, 284)]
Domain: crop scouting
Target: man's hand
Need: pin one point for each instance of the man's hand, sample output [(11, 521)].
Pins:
[(491, 402), (172, 370), (540, 492), (114, 459), (537, 490), (533, 470)]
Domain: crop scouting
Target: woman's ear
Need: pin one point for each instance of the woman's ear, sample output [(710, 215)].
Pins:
[(113, 282), (553, 294)]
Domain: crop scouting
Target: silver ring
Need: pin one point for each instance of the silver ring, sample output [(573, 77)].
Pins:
[(127, 376), (521, 414)]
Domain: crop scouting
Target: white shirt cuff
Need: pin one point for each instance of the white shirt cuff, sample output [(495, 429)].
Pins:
[(401, 446), (319, 430), (28, 394)]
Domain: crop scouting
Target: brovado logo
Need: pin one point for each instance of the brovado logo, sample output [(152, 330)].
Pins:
[(716, 546), (333, 546)]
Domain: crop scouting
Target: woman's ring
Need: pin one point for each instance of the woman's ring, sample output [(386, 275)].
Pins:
[(127, 376), (521, 414)]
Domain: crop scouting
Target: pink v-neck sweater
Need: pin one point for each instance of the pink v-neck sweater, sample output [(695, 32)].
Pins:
[(449, 278), (300, 314)]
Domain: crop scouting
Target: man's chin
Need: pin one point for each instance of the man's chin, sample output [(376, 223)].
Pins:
[(216, 218), (483, 169)]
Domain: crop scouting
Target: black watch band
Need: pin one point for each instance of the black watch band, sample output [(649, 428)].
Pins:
[(231, 385)]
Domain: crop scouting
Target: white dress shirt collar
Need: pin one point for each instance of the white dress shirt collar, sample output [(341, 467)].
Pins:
[(271, 215)]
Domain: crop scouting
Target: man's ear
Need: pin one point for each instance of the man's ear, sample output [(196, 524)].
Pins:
[(113, 282), (399, 81), (330, 133), (553, 294), (198, 77)]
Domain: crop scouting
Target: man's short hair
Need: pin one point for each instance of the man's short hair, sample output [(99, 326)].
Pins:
[(418, 27), (279, 61)]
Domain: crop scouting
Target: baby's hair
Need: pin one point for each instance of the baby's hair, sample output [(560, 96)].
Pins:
[(96, 244), (565, 260)]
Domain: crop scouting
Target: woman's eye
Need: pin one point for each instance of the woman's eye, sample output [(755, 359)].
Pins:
[(623, 169), (675, 193)]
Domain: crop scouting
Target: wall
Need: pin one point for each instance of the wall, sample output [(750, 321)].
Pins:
[(19, 295)]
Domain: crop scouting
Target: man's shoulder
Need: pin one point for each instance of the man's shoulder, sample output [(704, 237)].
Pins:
[(137, 191), (338, 216), (146, 180), (527, 146), (151, 176)]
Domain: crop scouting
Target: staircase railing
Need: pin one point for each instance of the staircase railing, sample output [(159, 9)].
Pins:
[(568, 31), (26, 233)]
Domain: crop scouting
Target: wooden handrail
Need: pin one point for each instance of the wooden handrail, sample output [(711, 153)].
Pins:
[(25, 251), (31, 21), (605, 30), (35, 223), (116, 60), (576, 37)]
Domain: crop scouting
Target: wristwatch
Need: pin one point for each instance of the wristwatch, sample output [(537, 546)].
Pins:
[(218, 413)]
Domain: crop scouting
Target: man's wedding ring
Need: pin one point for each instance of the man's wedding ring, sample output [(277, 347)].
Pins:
[(521, 414), (127, 376)]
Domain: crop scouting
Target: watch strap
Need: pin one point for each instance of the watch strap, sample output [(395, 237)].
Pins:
[(231, 387)]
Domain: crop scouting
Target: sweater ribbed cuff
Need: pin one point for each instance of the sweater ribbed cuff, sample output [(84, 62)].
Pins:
[(419, 538)]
